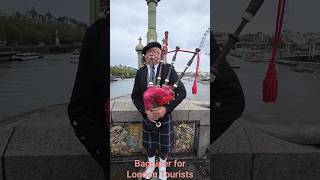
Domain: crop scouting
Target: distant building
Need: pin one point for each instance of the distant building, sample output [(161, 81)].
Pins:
[(64, 20), (50, 18), (41, 18), (221, 37), (248, 37), (31, 14)]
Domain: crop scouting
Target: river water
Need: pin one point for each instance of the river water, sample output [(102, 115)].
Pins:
[(124, 87), (28, 85), (25, 86), (298, 94)]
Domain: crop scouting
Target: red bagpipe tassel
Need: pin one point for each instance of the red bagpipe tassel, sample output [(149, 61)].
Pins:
[(194, 86), (270, 82)]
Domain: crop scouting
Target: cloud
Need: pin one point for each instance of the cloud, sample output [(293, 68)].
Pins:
[(186, 21), (226, 16)]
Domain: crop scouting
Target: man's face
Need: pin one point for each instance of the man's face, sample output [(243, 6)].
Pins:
[(153, 56)]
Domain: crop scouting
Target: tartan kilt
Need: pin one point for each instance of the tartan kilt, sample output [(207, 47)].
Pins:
[(162, 139)]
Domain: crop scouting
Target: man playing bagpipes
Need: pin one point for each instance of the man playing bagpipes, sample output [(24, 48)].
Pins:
[(157, 119)]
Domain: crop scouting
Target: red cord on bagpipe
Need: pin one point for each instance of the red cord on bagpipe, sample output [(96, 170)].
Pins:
[(270, 82), (194, 86)]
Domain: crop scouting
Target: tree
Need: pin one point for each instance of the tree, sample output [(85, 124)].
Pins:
[(16, 29)]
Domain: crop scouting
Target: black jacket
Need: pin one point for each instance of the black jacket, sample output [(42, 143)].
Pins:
[(140, 85), (91, 91), (226, 94)]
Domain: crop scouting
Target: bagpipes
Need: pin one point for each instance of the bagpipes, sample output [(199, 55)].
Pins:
[(227, 95), (250, 12), (158, 95), (270, 83), (233, 38)]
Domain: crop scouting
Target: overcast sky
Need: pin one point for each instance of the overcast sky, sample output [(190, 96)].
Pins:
[(77, 9), (301, 15), (185, 20)]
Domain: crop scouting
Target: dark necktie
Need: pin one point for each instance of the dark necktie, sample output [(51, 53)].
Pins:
[(152, 74)]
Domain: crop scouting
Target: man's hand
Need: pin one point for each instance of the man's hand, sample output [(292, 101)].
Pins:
[(151, 116), (159, 112)]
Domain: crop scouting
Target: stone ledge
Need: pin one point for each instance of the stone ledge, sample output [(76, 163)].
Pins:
[(44, 146), (245, 152), (48, 153), (203, 140), (185, 111)]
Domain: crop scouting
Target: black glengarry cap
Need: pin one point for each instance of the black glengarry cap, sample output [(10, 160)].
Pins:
[(151, 45)]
